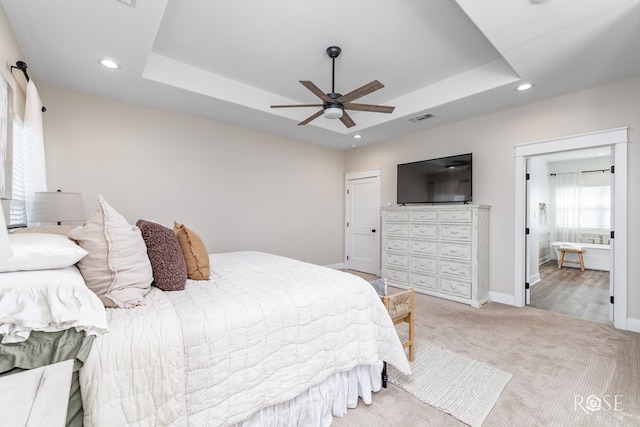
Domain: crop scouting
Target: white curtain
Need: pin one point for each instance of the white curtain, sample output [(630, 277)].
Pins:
[(35, 173), (567, 207)]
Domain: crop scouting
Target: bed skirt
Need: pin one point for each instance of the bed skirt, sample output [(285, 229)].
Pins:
[(318, 405)]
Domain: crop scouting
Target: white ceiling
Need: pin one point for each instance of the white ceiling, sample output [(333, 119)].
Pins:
[(229, 61)]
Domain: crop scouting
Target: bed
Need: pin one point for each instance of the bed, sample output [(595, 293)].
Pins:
[(263, 340)]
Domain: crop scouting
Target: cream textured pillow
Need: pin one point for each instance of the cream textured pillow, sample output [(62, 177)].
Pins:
[(195, 252), (116, 268)]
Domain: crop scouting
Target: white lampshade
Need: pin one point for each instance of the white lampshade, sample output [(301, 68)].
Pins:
[(333, 112), (57, 206), (5, 246)]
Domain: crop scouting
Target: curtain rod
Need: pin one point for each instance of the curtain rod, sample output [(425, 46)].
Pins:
[(591, 171), (22, 66)]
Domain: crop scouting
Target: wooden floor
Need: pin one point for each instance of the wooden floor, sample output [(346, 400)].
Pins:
[(572, 292)]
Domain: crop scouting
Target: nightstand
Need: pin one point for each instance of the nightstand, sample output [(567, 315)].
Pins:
[(37, 397)]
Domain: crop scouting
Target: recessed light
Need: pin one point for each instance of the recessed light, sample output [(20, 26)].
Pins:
[(108, 63), (357, 136), (524, 86)]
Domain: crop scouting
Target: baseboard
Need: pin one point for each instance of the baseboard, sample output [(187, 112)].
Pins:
[(501, 298), (336, 266), (633, 325), (534, 279)]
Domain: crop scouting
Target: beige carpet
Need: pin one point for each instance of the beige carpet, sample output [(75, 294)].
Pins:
[(566, 371)]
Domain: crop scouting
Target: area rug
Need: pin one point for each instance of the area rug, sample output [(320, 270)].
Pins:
[(462, 387)]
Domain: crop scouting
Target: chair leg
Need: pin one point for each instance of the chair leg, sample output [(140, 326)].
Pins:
[(411, 338)]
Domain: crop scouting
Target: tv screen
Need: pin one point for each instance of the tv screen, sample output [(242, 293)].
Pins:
[(443, 180)]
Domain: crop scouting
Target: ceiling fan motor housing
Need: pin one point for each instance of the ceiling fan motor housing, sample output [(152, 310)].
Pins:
[(333, 51)]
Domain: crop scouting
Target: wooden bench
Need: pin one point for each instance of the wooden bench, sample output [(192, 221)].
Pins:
[(563, 250)]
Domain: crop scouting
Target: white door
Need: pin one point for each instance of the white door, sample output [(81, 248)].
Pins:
[(362, 235)]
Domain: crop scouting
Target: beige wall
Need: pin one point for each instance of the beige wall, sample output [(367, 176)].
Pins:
[(239, 189), (491, 139), (10, 53)]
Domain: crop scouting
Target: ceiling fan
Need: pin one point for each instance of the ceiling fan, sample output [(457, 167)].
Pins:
[(334, 104)]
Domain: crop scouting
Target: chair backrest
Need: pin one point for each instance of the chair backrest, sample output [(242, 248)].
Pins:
[(400, 305)]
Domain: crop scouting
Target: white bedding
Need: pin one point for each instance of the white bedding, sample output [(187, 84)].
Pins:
[(263, 330), (49, 301)]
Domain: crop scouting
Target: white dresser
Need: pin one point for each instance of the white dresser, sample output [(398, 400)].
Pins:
[(438, 250)]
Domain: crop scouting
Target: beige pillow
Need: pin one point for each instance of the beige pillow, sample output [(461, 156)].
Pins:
[(116, 268), (48, 229), (195, 252)]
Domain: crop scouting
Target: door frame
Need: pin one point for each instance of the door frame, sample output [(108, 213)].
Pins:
[(616, 138), (350, 176)]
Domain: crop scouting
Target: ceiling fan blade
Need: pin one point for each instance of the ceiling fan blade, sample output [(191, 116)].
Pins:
[(296, 105), (347, 120), (310, 118), (369, 107), (316, 90), (361, 91)]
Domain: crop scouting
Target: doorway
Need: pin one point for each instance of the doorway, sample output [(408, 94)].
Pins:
[(569, 206), (362, 213), (615, 139)]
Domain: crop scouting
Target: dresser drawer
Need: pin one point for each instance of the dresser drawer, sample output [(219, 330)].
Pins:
[(455, 232), (424, 247), (397, 245), (455, 268), (430, 265), (429, 231), (455, 287), (397, 215), (455, 215), (455, 250), (401, 277), (394, 260), (394, 229), (424, 216), (424, 281)]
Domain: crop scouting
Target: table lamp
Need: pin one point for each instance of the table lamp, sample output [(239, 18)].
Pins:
[(57, 206)]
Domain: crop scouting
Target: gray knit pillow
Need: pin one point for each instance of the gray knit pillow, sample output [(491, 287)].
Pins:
[(167, 261)]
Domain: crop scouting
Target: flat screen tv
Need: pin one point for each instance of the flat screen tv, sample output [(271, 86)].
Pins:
[(443, 180)]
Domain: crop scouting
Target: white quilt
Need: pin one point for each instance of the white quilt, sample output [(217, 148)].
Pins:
[(261, 331)]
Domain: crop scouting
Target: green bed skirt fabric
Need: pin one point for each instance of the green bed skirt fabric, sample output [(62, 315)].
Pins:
[(45, 348)]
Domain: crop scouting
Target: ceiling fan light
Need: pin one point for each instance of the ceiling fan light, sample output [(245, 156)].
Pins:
[(333, 112)]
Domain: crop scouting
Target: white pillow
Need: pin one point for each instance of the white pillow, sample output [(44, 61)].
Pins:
[(117, 267), (39, 251)]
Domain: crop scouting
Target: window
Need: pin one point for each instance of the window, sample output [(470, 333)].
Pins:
[(595, 201), (596, 207), (18, 205)]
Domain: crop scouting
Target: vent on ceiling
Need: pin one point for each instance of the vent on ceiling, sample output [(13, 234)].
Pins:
[(421, 118), (131, 3)]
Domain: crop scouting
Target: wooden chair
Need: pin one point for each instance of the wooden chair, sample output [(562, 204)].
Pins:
[(570, 249), (401, 307)]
